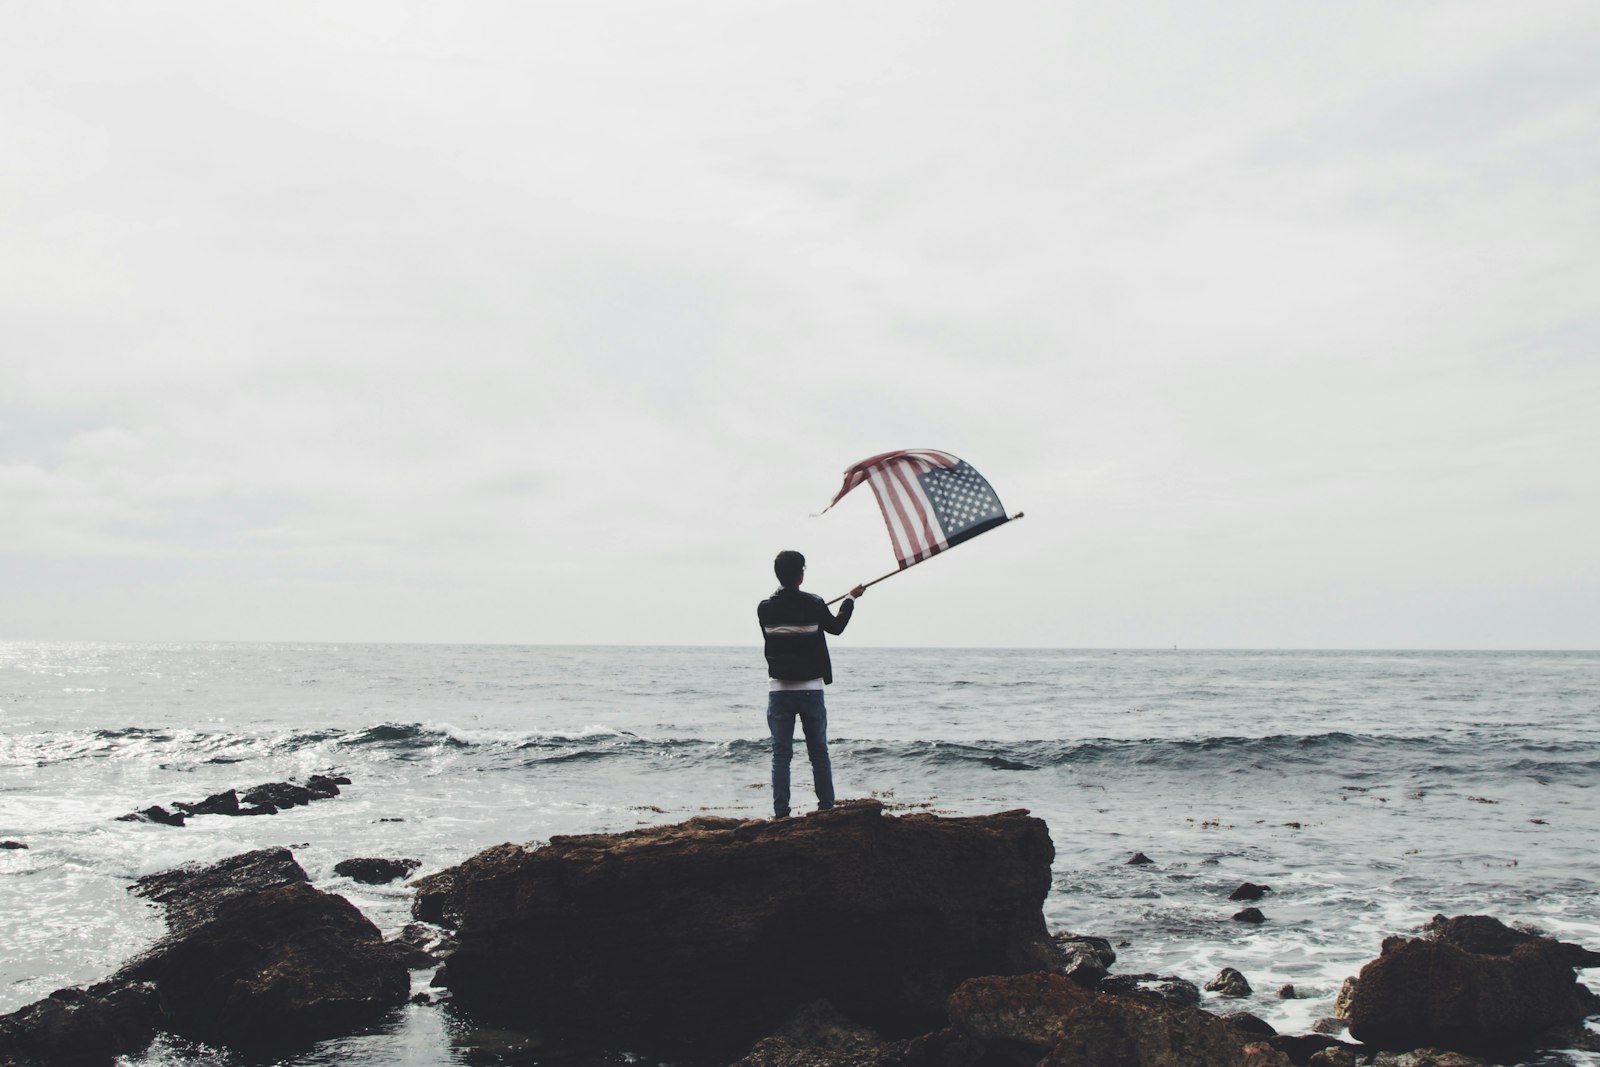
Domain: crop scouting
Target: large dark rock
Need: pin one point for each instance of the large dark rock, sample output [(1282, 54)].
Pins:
[(710, 932), (1049, 1020), (254, 953), (80, 1028), (1471, 984)]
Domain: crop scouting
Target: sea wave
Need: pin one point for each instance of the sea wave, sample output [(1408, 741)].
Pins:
[(1360, 754)]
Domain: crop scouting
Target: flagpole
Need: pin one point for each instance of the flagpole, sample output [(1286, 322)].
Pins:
[(924, 559)]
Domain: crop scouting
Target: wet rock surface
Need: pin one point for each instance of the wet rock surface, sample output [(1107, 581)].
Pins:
[(1229, 983), (1470, 985), (253, 954), (269, 798), (1047, 1019), (1163, 987), (714, 930), (1085, 960), (374, 870)]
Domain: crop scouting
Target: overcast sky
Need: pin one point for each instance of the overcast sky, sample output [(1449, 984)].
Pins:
[(552, 322)]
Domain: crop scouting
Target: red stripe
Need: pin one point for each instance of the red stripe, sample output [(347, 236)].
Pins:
[(885, 500), (904, 477), (913, 551)]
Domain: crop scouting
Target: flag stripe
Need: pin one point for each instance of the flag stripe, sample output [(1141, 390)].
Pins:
[(919, 504), (894, 515)]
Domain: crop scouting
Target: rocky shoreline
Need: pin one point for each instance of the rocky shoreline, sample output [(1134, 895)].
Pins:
[(850, 937)]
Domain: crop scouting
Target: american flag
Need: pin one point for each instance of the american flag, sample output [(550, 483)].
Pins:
[(930, 500)]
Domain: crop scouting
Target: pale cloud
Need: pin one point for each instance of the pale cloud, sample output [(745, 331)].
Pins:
[(551, 322)]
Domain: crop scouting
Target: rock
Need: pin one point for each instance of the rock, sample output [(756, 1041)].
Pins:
[(266, 799), (1330, 1025), (255, 953), (1486, 935), (12, 844), (279, 795), (1332, 1057), (1047, 1019), (156, 814), (218, 804), (192, 893), (80, 1027), (818, 1036), (1304, 1048), (1229, 983), (371, 871), (1248, 1023), (1426, 1057), (1138, 859), (1152, 987), (1473, 985), (1341, 1001), (1286, 992), (1250, 891), (1249, 915), (321, 786), (438, 944), (710, 932), (1085, 960)]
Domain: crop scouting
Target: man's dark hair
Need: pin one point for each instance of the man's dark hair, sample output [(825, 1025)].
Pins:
[(789, 566)]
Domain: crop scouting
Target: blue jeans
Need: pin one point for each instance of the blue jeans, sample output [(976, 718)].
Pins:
[(782, 707)]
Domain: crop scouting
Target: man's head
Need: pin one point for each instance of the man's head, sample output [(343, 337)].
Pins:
[(790, 567)]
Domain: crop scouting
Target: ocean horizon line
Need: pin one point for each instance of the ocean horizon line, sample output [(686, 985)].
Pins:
[(846, 649)]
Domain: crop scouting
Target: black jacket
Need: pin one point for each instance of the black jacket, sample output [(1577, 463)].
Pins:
[(793, 624)]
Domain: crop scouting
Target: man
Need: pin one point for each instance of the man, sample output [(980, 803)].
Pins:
[(793, 625)]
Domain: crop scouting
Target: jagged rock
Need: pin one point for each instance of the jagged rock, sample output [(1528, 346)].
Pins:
[(1139, 859), (266, 799), (1248, 1023), (81, 1028), (713, 930), (1426, 1057), (1250, 891), (1249, 915), (279, 795), (1332, 1057), (12, 844), (156, 814), (254, 953), (375, 871), (1047, 1019), (1229, 983), (1473, 986), (193, 892), (217, 804), (322, 786), (1085, 960), (1303, 1049), (1152, 987), (438, 944), (1330, 1025), (818, 1036)]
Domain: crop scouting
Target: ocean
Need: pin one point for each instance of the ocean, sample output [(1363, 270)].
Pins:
[(1369, 790)]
